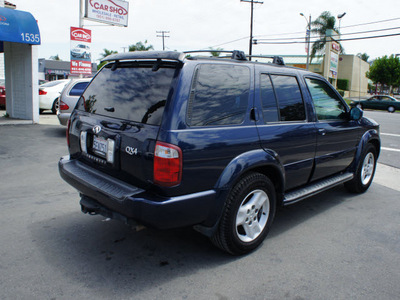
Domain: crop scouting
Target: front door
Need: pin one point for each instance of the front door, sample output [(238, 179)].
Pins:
[(337, 136)]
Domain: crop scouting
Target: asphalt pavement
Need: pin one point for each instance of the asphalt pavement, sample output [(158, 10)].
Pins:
[(334, 245)]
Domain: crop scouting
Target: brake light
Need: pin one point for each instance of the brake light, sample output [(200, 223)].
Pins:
[(63, 106), (42, 92), (167, 164), (67, 133)]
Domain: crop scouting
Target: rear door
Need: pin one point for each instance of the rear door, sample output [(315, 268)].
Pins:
[(337, 136), (120, 114), (283, 127)]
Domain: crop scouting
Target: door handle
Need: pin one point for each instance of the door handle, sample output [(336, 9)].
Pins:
[(322, 131)]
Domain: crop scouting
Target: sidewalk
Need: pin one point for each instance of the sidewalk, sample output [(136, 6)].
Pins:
[(44, 119)]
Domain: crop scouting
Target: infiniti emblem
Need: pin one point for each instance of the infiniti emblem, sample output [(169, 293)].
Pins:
[(96, 129)]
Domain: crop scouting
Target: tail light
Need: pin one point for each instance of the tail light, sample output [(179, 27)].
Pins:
[(42, 92), (167, 164), (67, 133), (63, 106)]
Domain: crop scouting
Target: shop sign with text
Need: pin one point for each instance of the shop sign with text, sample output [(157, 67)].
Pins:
[(81, 55), (113, 12)]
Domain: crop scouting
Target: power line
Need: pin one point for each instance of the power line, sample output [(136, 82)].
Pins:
[(351, 33), (339, 40), (302, 32)]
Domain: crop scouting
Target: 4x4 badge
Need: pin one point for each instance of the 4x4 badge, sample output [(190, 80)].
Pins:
[(96, 129)]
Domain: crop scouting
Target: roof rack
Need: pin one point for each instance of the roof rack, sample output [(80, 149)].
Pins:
[(236, 54), (169, 55), (277, 60)]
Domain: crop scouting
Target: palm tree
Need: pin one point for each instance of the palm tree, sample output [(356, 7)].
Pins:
[(319, 27), (139, 46)]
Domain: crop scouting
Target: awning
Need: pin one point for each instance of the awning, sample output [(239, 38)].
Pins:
[(18, 26)]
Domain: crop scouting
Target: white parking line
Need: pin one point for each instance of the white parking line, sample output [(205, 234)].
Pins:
[(390, 149), (391, 134)]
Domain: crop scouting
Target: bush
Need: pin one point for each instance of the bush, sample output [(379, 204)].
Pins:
[(341, 92), (343, 84)]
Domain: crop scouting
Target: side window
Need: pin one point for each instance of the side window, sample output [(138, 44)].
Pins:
[(219, 95), (287, 91), (328, 105), (268, 99), (78, 89)]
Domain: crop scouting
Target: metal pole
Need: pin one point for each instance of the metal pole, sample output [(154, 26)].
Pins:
[(251, 30), (308, 43), (251, 23), (80, 13)]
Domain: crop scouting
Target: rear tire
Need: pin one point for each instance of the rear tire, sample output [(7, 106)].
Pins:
[(54, 107), (391, 109), (248, 214), (359, 105), (365, 171)]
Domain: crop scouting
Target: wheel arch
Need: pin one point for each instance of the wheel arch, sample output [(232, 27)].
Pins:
[(369, 137), (260, 161)]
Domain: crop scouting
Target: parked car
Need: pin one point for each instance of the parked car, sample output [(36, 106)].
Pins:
[(168, 141), (81, 51), (68, 98), (49, 93), (380, 102), (2, 94)]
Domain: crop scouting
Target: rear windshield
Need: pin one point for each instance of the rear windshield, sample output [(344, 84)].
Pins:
[(131, 91)]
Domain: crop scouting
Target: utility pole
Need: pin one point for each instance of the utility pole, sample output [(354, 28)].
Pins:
[(163, 36), (251, 24)]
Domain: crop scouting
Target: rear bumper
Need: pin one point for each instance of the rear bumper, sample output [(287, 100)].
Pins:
[(63, 118), (112, 195)]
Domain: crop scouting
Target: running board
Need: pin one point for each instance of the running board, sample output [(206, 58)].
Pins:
[(315, 188)]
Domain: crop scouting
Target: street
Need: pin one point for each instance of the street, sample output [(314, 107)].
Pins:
[(334, 245)]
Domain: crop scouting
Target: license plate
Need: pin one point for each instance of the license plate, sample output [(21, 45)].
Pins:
[(99, 146)]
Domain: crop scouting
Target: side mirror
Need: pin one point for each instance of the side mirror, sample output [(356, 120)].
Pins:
[(355, 114)]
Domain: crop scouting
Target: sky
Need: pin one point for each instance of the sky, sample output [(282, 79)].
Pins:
[(200, 24)]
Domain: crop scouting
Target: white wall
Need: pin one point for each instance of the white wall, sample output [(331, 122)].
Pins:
[(21, 65)]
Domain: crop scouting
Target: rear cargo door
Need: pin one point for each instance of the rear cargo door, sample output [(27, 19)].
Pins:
[(121, 111)]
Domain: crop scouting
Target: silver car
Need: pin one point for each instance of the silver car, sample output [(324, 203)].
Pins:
[(68, 98)]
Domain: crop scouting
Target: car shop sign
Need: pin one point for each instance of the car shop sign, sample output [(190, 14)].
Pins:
[(81, 57), (113, 12)]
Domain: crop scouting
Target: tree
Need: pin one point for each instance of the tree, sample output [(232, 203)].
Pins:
[(319, 27), (215, 52), (363, 56), (107, 53), (385, 70), (139, 46), (55, 57)]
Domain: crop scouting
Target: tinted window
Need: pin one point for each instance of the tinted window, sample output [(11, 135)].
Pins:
[(219, 95), (132, 92), (327, 104), (269, 105), (291, 106), (78, 89)]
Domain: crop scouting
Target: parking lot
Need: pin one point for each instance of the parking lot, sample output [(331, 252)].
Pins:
[(334, 245)]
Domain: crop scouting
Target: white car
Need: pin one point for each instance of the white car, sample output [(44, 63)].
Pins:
[(49, 93), (68, 98), (82, 51)]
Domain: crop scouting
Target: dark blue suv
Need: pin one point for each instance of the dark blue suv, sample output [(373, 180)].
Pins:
[(169, 141)]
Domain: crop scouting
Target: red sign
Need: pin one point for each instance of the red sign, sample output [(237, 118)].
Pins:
[(81, 62), (336, 46), (80, 34)]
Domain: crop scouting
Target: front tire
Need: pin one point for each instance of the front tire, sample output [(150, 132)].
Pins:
[(248, 214), (365, 171)]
